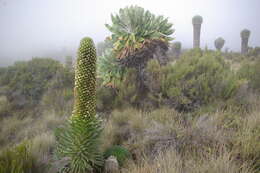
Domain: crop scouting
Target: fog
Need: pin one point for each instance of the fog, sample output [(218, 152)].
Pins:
[(53, 28)]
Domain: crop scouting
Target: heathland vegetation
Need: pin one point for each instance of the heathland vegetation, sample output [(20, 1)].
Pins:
[(140, 98)]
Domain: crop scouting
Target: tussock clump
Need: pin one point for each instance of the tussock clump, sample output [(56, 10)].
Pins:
[(172, 162)]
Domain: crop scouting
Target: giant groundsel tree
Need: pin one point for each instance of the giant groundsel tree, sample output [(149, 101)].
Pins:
[(136, 36), (219, 43), (245, 34), (196, 21)]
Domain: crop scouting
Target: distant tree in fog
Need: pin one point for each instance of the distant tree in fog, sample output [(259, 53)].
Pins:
[(196, 21), (245, 34), (219, 43)]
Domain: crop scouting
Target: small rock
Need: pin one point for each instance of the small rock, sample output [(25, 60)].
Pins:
[(111, 165)]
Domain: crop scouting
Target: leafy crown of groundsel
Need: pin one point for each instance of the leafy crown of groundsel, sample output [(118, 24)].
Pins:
[(245, 33), (197, 20), (133, 28)]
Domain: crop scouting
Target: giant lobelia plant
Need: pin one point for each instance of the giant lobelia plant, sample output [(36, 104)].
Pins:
[(78, 139)]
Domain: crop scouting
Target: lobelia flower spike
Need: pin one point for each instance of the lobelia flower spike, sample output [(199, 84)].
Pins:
[(85, 80)]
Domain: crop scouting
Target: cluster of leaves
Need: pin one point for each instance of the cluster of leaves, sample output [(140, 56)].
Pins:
[(133, 28), (108, 69)]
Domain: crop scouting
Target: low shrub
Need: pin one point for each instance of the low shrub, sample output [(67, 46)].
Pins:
[(197, 78), (121, 153), (27, 81), (5, 107), (127, 92), (59, 93), (250, 71), (254, 52), (105, 98)]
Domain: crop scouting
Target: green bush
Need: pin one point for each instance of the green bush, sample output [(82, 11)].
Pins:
[(127, 91), (251, 72), (121, 153), (59, 92), (5, 107), (27, 81), (105, 97), (197, 78), (254, 52)]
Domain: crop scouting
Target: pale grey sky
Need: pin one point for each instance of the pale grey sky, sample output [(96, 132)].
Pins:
[(54, 27)]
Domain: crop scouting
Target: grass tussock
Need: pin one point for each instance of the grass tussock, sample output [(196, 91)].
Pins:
[(220, 140), (171, 161)]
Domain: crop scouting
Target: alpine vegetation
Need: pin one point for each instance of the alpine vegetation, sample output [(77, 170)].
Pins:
[(78, 139)]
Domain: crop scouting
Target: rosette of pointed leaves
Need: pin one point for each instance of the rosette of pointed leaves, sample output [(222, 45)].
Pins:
[(78, 141), (134, 28), (108, 69)]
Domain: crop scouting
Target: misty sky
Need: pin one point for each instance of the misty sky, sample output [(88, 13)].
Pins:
[(54, 27)]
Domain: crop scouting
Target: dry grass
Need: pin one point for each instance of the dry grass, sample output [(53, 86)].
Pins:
[(247, 139), (161, 141), (164, 140), (171, 162), (14, 129), (43, 146), (10, 127)]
